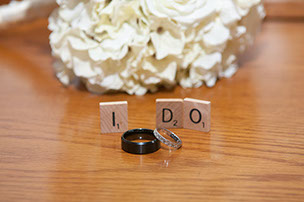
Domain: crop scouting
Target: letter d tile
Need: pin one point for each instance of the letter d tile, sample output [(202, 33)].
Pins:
[(169, 113)]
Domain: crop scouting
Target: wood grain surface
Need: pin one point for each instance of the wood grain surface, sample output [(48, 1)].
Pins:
[(51, 148)]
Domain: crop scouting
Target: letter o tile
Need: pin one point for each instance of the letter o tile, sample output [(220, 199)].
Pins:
[(197, 114)]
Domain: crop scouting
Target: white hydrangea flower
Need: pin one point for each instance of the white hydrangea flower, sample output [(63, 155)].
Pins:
[(136, 46)]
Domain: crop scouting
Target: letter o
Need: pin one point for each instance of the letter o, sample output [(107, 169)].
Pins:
[(199, 113)]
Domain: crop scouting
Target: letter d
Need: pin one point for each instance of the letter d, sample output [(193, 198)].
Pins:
[(171, 115)]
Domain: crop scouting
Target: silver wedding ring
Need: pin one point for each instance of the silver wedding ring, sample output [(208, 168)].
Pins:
[(177, 143)]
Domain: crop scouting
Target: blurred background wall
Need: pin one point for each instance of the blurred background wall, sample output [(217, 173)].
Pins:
[(284, 8), (274, 8)]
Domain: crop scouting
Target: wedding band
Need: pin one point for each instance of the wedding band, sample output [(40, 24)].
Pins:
[(177, 141), (129, 145)]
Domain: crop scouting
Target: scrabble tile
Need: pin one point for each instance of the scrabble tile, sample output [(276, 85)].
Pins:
[(197, 114), (169, 113), (113, 116)]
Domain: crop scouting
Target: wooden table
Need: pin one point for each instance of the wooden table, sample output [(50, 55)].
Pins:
[(51, 148)]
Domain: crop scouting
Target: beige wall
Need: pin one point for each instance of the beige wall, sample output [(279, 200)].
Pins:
[(284, 8)]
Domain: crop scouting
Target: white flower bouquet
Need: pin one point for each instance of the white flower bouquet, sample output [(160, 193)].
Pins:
[(136, 46)]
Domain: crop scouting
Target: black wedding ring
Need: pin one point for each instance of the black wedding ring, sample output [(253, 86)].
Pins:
[(129, 144)]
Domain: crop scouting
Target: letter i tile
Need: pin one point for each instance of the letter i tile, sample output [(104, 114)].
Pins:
[(169, 113), (113, 116)]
